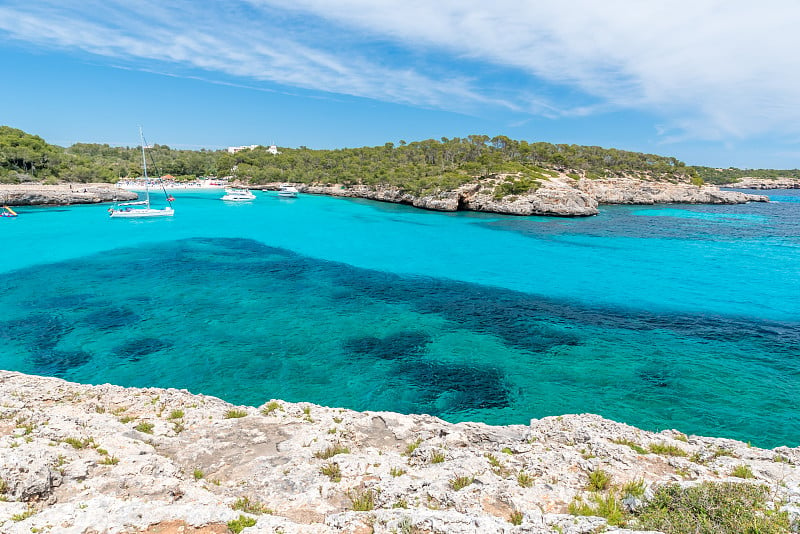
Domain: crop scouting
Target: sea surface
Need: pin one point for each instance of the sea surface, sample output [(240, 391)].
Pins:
[(670, 316)]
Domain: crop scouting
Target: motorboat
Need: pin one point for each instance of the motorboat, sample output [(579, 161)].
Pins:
[(238, 195), (287, 191)]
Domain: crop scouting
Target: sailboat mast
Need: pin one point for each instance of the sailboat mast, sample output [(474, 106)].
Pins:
[(144, 168)]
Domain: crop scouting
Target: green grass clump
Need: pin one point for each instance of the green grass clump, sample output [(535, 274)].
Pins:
[(437, 457), (241, 523), (411, 447), (742, 471), (271, 407), (332, 471), (198, 473), (461, 482), (666, 449), (607, 506), (331, 451), (396, 472), (634, 488), (636, 447), (24, 515), (234, 414), (516, 517), (244, 504), (176, 414), (362, 500), (145, 427), (109, 460), (3, 486), (713, 508), (599, 480), (524, 479), (78, 443)]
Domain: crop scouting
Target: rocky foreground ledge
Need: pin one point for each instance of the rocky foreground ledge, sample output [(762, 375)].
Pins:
[(560, 195), (94, 459), (61, 194)]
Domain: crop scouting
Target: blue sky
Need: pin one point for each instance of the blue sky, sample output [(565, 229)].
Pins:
[(711, 82)]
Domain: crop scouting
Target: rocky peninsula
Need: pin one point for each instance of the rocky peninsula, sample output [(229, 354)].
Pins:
[(61, 194), (104, 459), (560, 195), (765, 183)]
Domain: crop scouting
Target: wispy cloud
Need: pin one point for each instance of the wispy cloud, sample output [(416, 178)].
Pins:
[(707, 69)]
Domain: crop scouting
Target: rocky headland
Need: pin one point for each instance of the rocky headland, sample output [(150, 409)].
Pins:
[(765, 183), (61, 194), (560, 195), (103, 459)]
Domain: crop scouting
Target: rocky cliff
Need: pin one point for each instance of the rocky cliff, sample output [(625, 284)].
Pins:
[(557, 196), (62, 194), (95, 459), (766, 183)]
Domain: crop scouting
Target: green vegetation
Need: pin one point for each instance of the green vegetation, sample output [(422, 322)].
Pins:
[(422, 167), (742, 471), (145, 427), (176, 414), (241, 523), (24, 515), (524, 479), (411, 447), (460, 482), (198, 473), (638, 448), (331, 451), (244, 504), (396, 471), (516, 517), (718, 508), (606, 506), (109, 460), (437, 457), (732, 174), (362, 500), (599, 480), (332, 471), (666, 449), (271, 407), (234, 414), (78, 443)]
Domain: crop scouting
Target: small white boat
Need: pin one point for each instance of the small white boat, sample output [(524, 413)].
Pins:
[(238, 194), (288, 191), (124, 210)]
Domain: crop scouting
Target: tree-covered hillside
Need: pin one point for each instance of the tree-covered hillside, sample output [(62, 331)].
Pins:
[(421, 166), (732, 174)]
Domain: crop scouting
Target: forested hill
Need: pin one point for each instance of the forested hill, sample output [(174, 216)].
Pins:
[(417, 166), (732, 175)]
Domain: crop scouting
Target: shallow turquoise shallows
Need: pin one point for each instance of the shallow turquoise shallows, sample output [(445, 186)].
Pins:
[(673, 316)]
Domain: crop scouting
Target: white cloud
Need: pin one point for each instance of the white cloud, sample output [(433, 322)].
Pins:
[(707, 69)]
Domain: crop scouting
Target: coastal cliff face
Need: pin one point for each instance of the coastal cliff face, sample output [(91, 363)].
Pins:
[(79, 459), (557, 196), (766, 183), (62, 194)]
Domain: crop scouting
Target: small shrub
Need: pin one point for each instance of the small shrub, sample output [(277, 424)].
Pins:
[(411, 447), (638, 448), (666, 449), (337, 420), (125, 419), (234, 414), (145, 427), (437, 457), (506, 450), (176, 414), (331, 451), (461, 482), (493, 461), (109, 460), (742, 471), (524, 479), (78, 443), (332, 471), (633, 488), (3, 486), (606, 506), (516, 517), (713, 508), (271, 407), (402, 503), (362, 500), (24, 515), (244, 504), (599, 480), (682, 437), (724, 452), (396, 472), (238, 525), (198, 473)]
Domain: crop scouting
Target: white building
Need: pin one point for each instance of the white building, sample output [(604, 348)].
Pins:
[(234, 149)]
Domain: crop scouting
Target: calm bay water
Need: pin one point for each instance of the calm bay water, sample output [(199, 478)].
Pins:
[(674, 316)]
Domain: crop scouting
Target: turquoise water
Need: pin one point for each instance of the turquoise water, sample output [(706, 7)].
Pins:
[(680, 316)]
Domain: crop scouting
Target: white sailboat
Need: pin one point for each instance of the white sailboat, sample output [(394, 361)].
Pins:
[(124, 210)]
